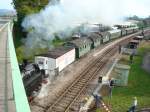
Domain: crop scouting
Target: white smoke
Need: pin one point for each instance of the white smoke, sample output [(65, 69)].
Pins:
[(44, 91), (63, 17)]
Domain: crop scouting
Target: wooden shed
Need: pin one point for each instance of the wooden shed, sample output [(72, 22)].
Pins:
[(82, 46)]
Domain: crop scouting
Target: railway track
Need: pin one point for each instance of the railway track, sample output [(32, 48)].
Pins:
[(70, 95), (66, 100)]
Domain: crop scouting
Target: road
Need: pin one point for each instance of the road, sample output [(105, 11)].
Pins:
[(6, 90)]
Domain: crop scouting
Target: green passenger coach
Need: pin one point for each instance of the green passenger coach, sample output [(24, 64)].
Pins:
[(96, 40), (82, 46)]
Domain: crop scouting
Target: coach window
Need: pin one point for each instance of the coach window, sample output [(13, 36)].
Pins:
[(79, 48)]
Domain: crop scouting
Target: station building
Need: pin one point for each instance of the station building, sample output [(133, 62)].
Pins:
[(56, 59)]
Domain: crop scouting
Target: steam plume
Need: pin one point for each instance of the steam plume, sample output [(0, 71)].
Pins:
[(61, 18)]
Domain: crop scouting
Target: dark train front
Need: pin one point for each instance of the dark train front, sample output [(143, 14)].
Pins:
[(32, 78)]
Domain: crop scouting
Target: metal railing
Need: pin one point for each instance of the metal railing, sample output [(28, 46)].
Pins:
[(21, 101)]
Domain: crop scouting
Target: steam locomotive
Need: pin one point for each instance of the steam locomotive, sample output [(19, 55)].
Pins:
[(32, 77)]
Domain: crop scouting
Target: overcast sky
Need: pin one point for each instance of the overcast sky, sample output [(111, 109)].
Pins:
[(6, 4), (132, 7), (137, 7)]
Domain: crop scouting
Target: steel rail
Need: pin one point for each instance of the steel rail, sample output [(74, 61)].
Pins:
[(84, 73), (95, 73)]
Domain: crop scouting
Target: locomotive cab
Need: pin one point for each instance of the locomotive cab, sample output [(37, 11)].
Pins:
[(42, 62)]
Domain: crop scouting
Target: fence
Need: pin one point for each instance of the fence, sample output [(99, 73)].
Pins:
[(21, 101)]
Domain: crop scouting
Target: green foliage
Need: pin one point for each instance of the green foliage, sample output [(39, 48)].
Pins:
[(17, 35), (21, 54), (140, 24), (24, 8), (135, 18), (57, 41), (97, 110)]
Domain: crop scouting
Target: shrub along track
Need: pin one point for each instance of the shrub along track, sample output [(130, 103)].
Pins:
[(68, 97)]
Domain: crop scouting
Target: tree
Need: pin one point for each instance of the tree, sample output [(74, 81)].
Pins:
[(26, 7)]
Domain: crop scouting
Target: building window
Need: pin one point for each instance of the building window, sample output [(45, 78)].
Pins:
[(40, 62)]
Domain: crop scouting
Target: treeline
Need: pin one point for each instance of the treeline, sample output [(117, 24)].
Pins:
[(142, 22), (26, 7)]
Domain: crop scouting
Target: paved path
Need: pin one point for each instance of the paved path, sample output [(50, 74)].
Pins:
[(6, 90)]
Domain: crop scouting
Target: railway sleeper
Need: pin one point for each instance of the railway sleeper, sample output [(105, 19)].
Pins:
[(72, 92), (57, 109), (84, 80), (75, 89), (87, 76), (66, 100), (75, 104), (80, 84), (73, 109), (71, 95), (63, 105), (92, 69)]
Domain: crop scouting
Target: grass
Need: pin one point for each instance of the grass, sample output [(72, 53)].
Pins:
[(58, 42), (138, 85)]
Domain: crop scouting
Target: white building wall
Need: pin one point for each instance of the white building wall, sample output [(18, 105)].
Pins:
[(48, 63), (65, 60), (41, 61), (51, 64), (60, 63)]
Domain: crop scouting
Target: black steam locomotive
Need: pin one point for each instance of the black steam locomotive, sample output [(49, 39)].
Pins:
[(32, 77)]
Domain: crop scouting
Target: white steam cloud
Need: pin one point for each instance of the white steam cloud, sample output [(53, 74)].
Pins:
[(63, 17)]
